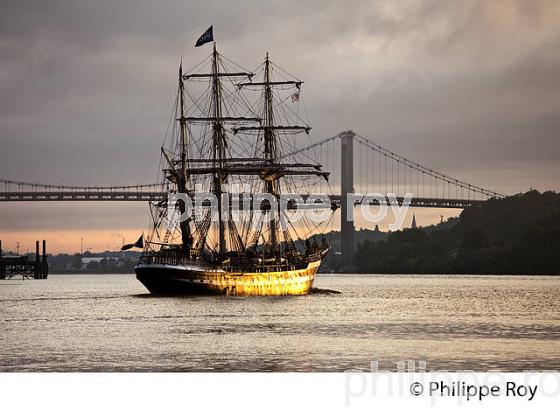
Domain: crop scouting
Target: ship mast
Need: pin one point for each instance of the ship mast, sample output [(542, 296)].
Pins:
[(219, 169), (270, 147), (218, 166), (219, 149), (182, 178), (272, 169)]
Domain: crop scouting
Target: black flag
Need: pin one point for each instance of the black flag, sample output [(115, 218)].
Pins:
[(207, 37), (138, 244)]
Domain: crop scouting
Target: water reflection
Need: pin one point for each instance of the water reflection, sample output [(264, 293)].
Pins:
[(110, 323)]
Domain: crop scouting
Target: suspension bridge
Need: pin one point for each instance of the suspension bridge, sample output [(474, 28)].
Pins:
[(364, 167)]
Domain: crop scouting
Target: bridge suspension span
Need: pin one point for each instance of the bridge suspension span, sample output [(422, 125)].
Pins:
[(370, 168)]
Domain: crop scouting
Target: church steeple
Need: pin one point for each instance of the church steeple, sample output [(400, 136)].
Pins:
[(413, 226)]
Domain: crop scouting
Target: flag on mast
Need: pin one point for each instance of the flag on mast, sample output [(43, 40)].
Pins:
[(207, 37), (138, 244)]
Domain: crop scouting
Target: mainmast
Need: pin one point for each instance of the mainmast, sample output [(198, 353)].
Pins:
[(270, 148), (219, 149), (219, 169)]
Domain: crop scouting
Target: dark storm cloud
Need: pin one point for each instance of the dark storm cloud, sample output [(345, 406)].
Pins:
[(469, 87)]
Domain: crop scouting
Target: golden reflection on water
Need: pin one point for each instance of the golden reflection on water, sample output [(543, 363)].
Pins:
[(110, 323)]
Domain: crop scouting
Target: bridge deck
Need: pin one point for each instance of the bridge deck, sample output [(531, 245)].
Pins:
[(144, 196)]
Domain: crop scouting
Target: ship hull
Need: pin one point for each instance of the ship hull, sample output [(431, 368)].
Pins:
[(198, 280)]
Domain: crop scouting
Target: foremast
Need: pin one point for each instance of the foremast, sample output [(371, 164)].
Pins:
[(182, 175), (219, 158)]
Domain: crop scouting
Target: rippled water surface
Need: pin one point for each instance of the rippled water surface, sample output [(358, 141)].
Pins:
[(111, 323)]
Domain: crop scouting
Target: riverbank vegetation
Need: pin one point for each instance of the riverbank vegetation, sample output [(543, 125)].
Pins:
[(515, 235)]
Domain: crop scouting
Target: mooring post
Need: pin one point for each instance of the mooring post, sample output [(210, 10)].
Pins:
[(2, 267), (346, 187), (44, 264), (37, 270)]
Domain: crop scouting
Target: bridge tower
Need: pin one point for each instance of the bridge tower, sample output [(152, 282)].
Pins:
[(346, 187)]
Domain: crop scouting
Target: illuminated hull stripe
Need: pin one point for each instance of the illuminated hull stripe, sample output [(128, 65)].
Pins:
[(193, 279)]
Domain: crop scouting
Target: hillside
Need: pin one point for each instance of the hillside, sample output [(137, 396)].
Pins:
[(333, 260), (514, 235)]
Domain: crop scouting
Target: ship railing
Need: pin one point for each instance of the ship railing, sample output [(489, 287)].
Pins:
[(167, 258), (175, 257), (287, 265)]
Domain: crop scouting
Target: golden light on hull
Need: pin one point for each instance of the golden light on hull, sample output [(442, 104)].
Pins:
[(166, 279)]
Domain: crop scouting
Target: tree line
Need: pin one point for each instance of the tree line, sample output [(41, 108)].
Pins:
[(514, 235)]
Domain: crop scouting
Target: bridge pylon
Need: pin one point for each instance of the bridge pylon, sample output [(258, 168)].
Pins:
[(346, 187)]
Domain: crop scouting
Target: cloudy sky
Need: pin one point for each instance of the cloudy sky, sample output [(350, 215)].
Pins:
[(471, 88)]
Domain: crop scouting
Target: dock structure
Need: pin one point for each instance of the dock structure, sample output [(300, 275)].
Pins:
[(23, 266)]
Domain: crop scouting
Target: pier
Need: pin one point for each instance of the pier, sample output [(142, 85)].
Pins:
[(16, 266)]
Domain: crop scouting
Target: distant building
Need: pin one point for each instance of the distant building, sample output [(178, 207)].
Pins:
[(85, 261), (413, 226), (96, 263)]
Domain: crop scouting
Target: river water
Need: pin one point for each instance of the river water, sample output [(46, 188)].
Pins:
[(111, 323)]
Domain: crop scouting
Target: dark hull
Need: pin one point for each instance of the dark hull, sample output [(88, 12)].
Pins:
[(168, 281), (200, 280)]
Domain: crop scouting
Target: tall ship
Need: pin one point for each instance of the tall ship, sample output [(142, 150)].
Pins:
[(233, 134)]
